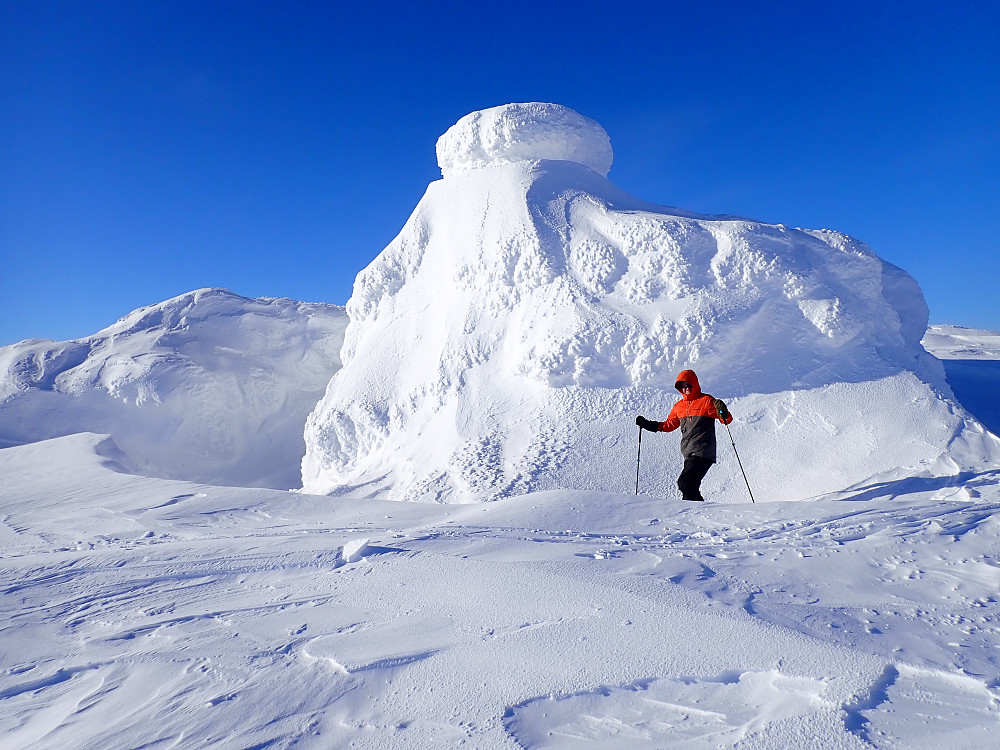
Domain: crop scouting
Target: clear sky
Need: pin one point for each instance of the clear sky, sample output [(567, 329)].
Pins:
[(274, 148)]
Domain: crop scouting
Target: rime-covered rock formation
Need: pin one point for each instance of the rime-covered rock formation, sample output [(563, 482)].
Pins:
[(529, 309)]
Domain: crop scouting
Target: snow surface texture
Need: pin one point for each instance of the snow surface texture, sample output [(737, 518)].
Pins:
[(207, 386), (151, 613), (519, 132), (529, 309)]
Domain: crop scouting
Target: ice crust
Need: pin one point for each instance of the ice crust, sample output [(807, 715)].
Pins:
[(522, 132), (505, 340), (207, 386)]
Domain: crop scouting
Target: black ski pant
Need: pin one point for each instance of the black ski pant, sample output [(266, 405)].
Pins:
[(689, 482)]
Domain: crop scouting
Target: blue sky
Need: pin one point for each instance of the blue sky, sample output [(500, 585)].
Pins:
[(274, 149)]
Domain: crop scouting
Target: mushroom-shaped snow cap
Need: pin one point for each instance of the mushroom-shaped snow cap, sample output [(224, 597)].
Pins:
[(521, 132)]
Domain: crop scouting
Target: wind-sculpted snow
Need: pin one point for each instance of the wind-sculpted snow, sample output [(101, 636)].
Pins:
[(529, 309), (516, 132), (208, 386)]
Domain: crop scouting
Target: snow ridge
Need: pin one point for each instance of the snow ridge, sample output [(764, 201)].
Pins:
[(206, 386)]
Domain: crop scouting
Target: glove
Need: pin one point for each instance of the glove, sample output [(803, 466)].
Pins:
[(647, 424), (721, 410)]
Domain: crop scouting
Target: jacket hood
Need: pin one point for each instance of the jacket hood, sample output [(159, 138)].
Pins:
[(689, 376)]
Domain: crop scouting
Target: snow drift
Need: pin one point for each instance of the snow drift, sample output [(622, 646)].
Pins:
[(208, 386), (529, 309)]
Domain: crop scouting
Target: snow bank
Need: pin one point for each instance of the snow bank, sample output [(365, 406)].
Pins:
[(207, 386), (519, 132), (506, 338)]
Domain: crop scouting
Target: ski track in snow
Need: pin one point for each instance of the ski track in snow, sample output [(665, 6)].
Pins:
[(149, 613)]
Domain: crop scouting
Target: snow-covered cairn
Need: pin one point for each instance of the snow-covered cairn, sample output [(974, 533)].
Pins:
[(506, 338)]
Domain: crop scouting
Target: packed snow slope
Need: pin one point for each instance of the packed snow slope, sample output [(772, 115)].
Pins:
[(506, 339), (208, 386), (150, 613)]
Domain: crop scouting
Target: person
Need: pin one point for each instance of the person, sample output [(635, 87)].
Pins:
[(695, 414)]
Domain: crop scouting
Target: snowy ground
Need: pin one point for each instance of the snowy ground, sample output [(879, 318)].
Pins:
[(152, 613)]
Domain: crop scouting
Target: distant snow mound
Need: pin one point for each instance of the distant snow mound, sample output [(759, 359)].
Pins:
[(957, 342), (971, 359), (506, 339), (208, 386), (522, 132)]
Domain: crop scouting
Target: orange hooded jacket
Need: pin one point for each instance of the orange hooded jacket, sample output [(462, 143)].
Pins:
[(695, 414)]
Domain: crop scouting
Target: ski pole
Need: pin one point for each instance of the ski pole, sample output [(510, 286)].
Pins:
[(737, 461), (638, 455)]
